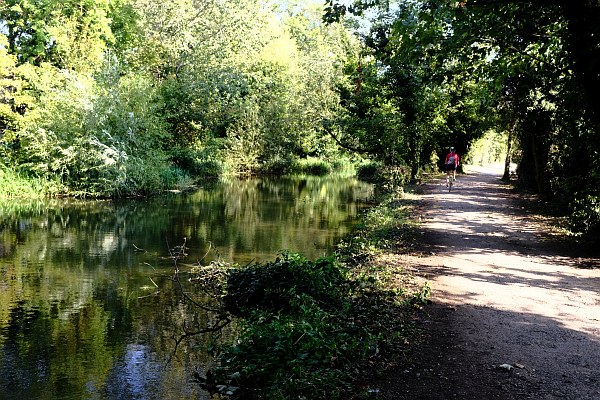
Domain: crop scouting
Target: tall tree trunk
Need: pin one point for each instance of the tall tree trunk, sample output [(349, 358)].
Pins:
[(506, 176), (540, 161), (414, 144)]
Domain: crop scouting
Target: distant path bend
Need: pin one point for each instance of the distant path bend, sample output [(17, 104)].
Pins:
[(502, 293)]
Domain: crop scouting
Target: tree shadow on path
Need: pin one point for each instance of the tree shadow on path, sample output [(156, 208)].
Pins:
[(504, 294)]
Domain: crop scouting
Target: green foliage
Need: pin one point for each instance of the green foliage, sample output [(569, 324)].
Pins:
[(368, 171), (95, 141), (279, 167), (275, 286), (10, 87), (369, 117), (585, 217), (299, 337), (344, 165), (491, 148), (313, 166), (125, 97), (198, 163), (387, 179), (379, 227), (284, 356), (68, 34), (309, 166), (259, 95), (294, 340), (313, 329), (13, 185)]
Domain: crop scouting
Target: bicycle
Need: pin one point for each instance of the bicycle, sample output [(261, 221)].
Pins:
[(450, 182)]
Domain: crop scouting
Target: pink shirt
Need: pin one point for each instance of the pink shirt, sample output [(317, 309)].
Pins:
[(452, 158)]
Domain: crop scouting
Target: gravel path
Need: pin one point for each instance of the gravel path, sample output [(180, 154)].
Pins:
[(515, 314)]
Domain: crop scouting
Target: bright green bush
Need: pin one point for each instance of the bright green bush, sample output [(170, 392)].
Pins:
[(13, 184), (315, 167), (96, 138), (344, 166), (289, 166)]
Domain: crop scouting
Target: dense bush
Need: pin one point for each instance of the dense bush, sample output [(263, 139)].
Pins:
[(13, 184), (275, 286), (196, 162), (305, 355), (278, 166), (298, 337), (314, 167), (290, 166), (387, 178), (309, 329), (585, 217), (368, 171)]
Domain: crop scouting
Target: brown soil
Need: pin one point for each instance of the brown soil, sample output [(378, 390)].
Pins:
[(515, 313)]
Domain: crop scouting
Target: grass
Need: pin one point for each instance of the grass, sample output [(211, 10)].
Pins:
[(15, 185)]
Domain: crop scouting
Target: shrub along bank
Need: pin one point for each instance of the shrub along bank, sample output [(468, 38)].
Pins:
[(319, 329)]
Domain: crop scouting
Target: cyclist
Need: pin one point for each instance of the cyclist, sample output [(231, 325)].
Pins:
[(452, 162)]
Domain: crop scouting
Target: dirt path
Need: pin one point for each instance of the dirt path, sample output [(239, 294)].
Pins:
[(503, 293)]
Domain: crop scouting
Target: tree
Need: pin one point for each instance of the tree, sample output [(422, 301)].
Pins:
[(68, 34), (536, 60), (436, 103), (10, 87), (260, 101)]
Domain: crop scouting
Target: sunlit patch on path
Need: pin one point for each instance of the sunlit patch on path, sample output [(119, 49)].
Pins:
[(516, 299)]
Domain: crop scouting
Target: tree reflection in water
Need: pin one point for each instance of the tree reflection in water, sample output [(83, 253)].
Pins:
[(88, 306)]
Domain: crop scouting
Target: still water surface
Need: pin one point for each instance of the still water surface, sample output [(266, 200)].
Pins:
[(88, 305)]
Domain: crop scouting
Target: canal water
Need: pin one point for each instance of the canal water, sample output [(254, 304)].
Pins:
[(89, 307)]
